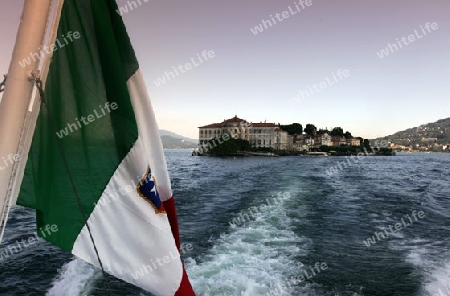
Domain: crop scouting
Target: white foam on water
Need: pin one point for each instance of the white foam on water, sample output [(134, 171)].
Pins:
[(438, 282), (254, 258), (76, 278), (432, 262)]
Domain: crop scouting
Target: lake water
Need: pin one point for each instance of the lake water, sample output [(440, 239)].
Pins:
[(281, 226)]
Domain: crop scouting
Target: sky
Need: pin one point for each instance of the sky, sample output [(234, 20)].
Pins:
[(256, 76)]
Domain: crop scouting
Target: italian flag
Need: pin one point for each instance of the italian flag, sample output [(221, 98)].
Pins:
[(96, 167)]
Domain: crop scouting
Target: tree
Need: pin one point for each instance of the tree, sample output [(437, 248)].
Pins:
[(323, 131), (366, 143), (348, 135), (310, 129), (337, 132), (230, 147), (292, 129)]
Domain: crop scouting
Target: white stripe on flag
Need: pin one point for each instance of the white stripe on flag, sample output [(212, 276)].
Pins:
[(134, 243), (149, 133)]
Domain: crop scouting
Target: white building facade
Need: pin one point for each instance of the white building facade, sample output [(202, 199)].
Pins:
[(322, 140), (260, 135)]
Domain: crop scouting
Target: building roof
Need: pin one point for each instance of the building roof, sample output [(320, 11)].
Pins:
[(338, 139), (213, 125), (264, 125), (216, 125), (234, 119)]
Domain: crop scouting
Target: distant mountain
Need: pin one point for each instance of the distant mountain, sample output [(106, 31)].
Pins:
[(176, 136), (436, 134), (171, 140)]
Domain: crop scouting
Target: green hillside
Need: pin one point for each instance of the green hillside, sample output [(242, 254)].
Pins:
[(176, 143), (432, 136)]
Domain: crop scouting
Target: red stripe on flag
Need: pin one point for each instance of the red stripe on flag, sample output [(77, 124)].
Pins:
[(169, 206), (185, 288)]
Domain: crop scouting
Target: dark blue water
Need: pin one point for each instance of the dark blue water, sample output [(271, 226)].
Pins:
[(258, 226)]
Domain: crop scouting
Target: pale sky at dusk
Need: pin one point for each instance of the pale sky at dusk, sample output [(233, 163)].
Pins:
[(255, 76)]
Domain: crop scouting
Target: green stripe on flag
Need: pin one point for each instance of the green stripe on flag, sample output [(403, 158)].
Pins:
[(85, 75)]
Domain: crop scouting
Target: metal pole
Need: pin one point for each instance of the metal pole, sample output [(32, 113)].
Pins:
[(18, 89)]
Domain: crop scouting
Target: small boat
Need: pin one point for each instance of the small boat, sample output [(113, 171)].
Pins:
[(317, 154), (266, 154)]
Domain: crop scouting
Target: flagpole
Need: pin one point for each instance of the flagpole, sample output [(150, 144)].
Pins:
[(18, 91), (35, 104)]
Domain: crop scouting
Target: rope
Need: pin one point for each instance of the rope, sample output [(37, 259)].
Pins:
[(2, 85), (66, 164)]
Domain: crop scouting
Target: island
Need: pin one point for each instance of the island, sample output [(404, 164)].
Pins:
[(238, 137)]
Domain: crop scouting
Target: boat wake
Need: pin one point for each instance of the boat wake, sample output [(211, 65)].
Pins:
[(432, 265), (75, 278), (438, 280), (256, 258)]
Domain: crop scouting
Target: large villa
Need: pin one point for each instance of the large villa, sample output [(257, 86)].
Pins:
[(270, 135)]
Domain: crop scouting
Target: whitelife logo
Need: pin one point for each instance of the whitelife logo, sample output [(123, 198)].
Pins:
[(10, 160), (351, 160), (49, 49), (266, 24), (398, 226), (204, 148), (86, 120), (153, 266), (316, 88), (185, 68), (284, 289), (130, 5), (429, 27), (253, 211), (25, 243)]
